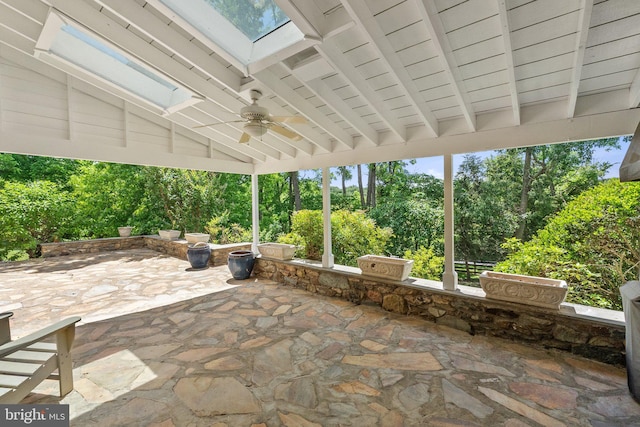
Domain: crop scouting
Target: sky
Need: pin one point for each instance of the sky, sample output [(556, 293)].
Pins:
[(435, 166)]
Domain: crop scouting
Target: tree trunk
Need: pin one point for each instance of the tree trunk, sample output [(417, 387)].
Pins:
[(295, 190), (524, 196), (344, 183), (360, 188), (371, 186)]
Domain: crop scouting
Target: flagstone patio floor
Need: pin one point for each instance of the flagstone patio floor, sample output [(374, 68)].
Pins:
[(160, 345)]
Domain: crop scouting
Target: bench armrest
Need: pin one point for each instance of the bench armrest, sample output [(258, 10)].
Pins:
[(37, 336), (5, 328)]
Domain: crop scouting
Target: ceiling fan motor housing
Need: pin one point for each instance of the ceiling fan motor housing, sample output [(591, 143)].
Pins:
[(254, 112), (256, 128)]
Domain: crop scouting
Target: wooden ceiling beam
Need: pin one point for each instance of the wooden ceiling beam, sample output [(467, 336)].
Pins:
[(348, 72), (431, 19), (508, 52), (584, 21), (360, 13)]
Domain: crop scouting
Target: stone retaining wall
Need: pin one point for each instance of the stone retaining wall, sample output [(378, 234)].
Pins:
[(465, 309), (91, 246), (590, 337), (175, 248)]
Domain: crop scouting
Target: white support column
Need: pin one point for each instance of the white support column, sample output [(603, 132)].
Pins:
[(255, 213), (327, 255), (450, 277)]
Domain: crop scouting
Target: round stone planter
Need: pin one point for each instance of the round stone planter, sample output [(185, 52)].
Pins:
[(241, 264), (198, 255)]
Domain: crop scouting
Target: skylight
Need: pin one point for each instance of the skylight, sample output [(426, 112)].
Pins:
[(255, 18), (247, 31), (65, 40)]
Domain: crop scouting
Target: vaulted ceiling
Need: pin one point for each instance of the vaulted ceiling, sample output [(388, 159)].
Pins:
[(375, 80)]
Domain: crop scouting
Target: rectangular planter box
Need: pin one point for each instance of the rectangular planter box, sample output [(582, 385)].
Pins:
[(196, 237), (538, 291), (385, 267), (277, 250), (169, 234)]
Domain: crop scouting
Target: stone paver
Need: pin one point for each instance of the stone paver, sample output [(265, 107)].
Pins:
[(159, 345)]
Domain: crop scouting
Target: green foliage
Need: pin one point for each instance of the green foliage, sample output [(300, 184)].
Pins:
[(483, 216), (22, 168), (306, 233), (593, 244), (416, 222), (30, 213), (426, 264), (107, 197), (223, 231), (188, 198), (353, 235)]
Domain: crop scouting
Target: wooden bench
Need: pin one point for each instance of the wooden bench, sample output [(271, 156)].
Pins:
[(27, 361)]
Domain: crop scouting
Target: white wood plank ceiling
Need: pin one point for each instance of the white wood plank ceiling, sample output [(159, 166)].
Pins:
[(376, 80)]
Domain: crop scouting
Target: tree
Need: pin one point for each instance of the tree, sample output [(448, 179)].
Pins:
[(371, 187), (108, 196), (483, 218), (361, 188), (345, 175), (32, 213), (544, 169), (294, 191), (23, 168)]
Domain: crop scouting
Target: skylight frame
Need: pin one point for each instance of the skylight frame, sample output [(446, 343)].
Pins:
[(223, 37), (131, 78)]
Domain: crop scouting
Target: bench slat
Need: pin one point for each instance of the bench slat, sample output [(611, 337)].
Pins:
[(18, 368), (12, 381), (28, 383), (43, 346), (29, 356)]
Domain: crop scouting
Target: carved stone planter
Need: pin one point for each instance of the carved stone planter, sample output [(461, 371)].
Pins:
[(385, 267), (277, 250), (538, 291), (169, 234), (196, 237), (124, 231)]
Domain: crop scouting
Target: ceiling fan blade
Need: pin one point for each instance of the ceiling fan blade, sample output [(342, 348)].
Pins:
[(219, 123), (290, 119), (285, 132), (245, 137)]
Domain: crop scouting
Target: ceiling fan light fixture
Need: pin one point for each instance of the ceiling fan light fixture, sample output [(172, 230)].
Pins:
[(256, 129)]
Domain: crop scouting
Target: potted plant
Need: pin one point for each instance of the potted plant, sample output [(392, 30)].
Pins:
[(241, 264), (198, 255)]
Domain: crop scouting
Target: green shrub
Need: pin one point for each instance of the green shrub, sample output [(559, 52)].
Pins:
[(222, 231), (426, 264), (32, 213), (593, 244), (352, 235)]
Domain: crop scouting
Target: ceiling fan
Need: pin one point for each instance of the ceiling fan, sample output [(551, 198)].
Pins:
[(257, 121)]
